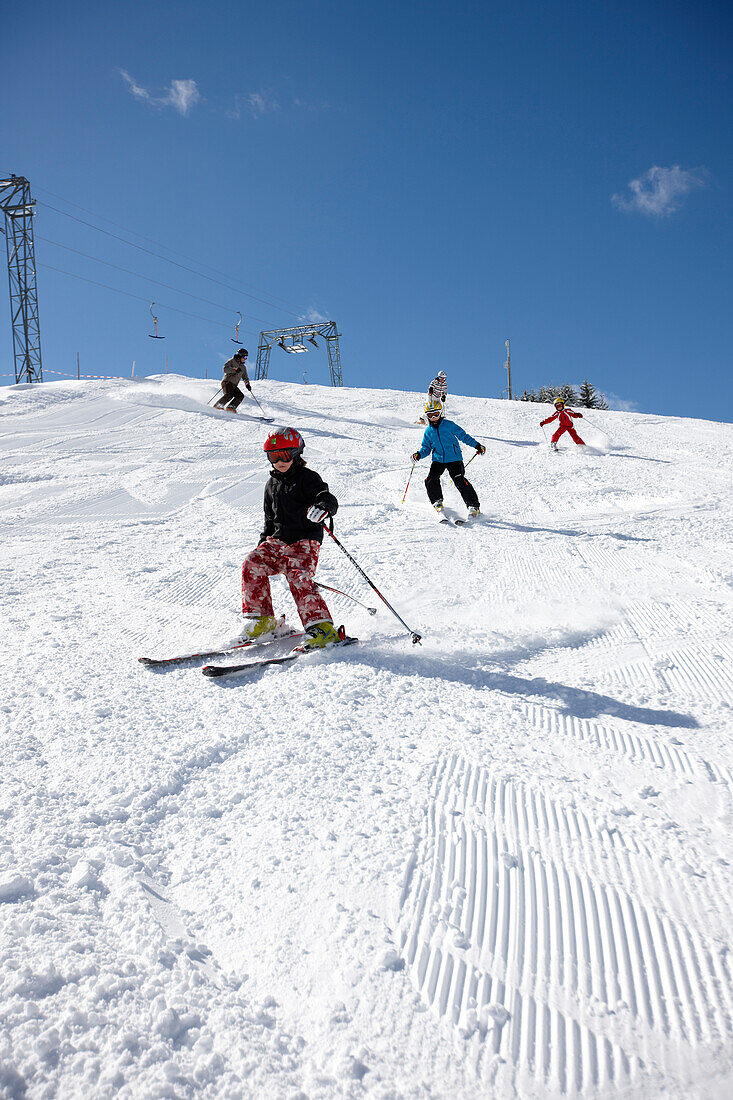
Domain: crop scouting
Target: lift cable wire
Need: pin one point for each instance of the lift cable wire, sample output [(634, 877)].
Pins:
[(150, 240), (147, 278), (137, 297), (166, 260)]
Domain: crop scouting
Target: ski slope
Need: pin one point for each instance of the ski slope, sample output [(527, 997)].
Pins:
[(497, 864)]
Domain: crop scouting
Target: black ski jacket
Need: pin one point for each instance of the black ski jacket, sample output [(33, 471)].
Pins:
[(288, 496)]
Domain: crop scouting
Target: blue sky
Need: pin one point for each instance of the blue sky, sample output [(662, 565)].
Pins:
[(435, 178)]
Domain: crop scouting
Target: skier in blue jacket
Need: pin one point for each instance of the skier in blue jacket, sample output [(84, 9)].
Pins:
[(441, 438)]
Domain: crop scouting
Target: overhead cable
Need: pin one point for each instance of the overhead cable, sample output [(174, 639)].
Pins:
[(137, 297), (165, 259), (147, 278), (149, 240)]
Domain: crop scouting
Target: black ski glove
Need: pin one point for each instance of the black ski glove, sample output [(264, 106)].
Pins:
[(416, 456), (480, 450), (248, 386)]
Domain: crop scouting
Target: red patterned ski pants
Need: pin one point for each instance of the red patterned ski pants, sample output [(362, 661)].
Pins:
[(297, 561)]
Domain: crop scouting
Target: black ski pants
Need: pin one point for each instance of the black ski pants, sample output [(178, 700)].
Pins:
[(457, 472), (233, 396)]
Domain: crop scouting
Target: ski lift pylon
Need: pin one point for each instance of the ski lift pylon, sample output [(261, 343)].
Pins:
[(235, 338), (154, 336)]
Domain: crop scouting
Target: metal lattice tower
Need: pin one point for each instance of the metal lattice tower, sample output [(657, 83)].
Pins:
[(291, 341), (17, 205)]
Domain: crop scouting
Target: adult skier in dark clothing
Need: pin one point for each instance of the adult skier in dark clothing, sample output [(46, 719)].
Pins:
[(441, 438), (297, 501), (235, 370)]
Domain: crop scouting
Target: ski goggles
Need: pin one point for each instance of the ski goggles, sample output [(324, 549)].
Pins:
[(280, 456)]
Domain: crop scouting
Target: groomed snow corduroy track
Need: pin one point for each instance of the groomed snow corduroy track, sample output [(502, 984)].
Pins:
[(497, 864)]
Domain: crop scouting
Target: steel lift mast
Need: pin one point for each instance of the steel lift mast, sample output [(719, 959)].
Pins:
[(17, 205), (291, 340)]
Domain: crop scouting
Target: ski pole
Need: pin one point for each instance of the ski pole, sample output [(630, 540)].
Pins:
[(260, 406), (416, 638), (208, 403), (545, 434), (594, 426), (371, 610), (408, 483)]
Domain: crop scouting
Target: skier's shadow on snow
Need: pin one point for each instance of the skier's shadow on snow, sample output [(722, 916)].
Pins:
[(576, 702), (511, 442), (486, 521), (638, 458)]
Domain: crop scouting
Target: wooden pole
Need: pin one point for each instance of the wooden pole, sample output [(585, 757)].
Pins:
[(508, 366)]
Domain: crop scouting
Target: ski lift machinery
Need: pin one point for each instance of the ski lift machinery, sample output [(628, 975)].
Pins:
[(292, 342)]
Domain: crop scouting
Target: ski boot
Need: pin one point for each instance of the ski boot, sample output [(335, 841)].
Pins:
[(323, 634), (553, 446), (438, 505), (472, 513), (259, 626)]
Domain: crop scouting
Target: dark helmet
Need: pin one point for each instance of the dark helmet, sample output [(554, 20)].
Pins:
[(241, 354)]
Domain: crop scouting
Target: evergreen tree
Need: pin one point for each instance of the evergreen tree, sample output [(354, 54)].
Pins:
[(528, 396), (567, 391), (590, 398)]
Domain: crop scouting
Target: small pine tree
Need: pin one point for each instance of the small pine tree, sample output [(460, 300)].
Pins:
[(528, 396), (566, 391), (590, 398), (546, 394)]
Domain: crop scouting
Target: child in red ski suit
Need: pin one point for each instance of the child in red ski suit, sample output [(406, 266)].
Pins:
[(566, 424)]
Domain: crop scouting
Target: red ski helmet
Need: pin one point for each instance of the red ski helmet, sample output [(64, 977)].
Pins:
[(284, 439)]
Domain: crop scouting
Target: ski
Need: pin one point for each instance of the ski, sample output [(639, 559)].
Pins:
[(299, 651), (245, 416), (449, 521), (221, 651)]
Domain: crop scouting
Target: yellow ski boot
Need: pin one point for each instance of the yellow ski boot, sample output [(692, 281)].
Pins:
[(259, 626), (322, 634)]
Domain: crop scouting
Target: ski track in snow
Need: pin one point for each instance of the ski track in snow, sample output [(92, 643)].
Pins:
[(497, 864)]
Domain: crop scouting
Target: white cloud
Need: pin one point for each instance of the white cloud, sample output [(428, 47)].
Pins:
[(312, 317), (659, 191), (260, 103), (135, 88), (305, 105), (181, 95), (620, 404)]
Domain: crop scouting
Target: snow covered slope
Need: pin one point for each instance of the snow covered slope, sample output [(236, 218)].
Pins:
[(498, 864)]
